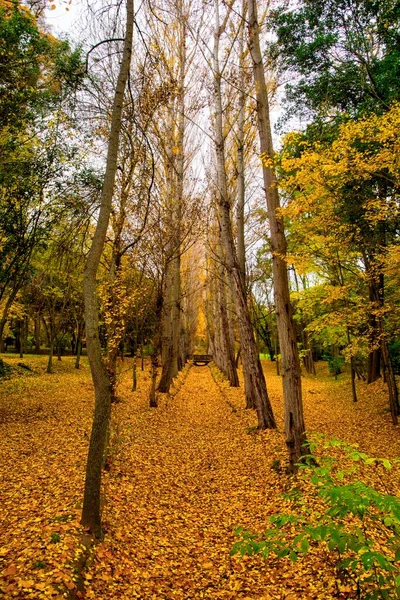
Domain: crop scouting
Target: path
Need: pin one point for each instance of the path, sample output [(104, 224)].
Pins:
[(187, 475)]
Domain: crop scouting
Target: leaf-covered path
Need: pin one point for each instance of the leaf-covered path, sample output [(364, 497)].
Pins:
[(182, 477), (185, 478)]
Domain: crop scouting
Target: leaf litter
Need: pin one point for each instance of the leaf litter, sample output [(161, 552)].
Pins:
[(182, 478)]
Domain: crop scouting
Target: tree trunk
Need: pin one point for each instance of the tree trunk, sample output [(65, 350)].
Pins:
[(21, 338), (250, 356), (50, 358), (153, 402), (390, 380), (37, 333), (91, 517), (374, 365), (375, 355), (134, 374), (78, 353), (241, 187), (241, 248), (228, 350), (79, 334), (294, 421), (175, 157), (167, 336), (376, 297)]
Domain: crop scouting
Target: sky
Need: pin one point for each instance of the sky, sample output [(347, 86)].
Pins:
[(63, 18)]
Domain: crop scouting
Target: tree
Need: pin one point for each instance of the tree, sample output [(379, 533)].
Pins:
[(343, 56), (37, 77), (362, 157), (250, 357), (91, 515), (294, 421)]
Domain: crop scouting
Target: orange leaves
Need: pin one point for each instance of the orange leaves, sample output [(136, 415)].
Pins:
[(183, 477)]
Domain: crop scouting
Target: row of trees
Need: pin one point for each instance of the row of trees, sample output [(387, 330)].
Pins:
[(139, 172)]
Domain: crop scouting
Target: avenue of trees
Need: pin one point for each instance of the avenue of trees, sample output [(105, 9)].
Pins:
[(144, 210)]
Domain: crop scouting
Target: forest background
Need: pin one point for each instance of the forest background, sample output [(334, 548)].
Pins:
[(144, 211)]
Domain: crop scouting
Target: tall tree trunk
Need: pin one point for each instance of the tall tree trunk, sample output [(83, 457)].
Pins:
[(250, 356), (134, 374), (227, 348), (2, 342), (91, 517), (374, 357), (153, 401), (294, 420), (167, 338), (171, 362), (21, 337), (241, 247), (376, 296)]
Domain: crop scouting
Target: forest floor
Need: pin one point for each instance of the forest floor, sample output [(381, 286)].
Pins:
[(182, 478)]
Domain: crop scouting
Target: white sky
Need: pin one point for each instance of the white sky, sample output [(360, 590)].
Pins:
[(62, 20)]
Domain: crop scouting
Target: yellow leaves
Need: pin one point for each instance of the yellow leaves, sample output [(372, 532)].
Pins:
[(184, 477), (266, 160), (26, 583)]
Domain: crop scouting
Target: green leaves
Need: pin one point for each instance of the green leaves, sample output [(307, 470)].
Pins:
[(352, 514)]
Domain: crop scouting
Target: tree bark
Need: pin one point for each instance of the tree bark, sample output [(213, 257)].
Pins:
[(91, 515), (294, 420), (250, 356), (241, 187), (376, 296), (79, 344), (227, 348), (37, 333), (50, 358), (134, 374), (171, 362)]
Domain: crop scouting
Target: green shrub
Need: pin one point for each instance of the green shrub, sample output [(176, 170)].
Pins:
[(335, 364), (352, 514), (394, 351)]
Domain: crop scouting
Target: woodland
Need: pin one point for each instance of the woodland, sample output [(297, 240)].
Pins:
[(199, 300)]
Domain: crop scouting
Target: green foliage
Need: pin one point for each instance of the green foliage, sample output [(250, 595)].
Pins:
[(345, 516), (394, 350), (55, 538), (5, 369), (335, 364), (36, 69), (332, 46)]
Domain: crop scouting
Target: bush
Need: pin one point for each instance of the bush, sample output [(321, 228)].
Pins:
[(5, 369), (394, 351), (352, 524), (335, 364)]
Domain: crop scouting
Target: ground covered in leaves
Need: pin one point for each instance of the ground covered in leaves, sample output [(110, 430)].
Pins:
[(181, 479)]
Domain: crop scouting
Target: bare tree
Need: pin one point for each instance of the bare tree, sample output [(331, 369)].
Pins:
[(91, 515), (250, 356)]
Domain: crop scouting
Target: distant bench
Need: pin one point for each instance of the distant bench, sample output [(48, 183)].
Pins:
[(200, 360)]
